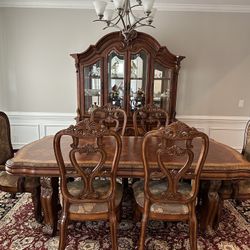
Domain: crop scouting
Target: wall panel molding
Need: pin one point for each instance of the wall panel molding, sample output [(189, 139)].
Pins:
[(31, 126)]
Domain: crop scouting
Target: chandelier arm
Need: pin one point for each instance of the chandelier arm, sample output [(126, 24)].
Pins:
[(143, 25), (139, 22), (136, 5), (111, 25)]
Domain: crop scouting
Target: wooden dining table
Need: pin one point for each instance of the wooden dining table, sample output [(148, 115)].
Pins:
[(37, 159)]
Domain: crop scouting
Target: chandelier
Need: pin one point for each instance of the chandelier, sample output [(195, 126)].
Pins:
[(123, 17)]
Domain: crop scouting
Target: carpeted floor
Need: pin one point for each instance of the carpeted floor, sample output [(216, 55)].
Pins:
[(18, 230)]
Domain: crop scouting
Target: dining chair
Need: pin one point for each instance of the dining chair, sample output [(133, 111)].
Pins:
[(11, 183), (147, 118), (239, 189), (164, 194), (115, 119), (94, 194), (111, 116)]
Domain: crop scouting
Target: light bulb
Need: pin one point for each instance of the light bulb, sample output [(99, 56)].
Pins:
[(100, 7), (148, 5)]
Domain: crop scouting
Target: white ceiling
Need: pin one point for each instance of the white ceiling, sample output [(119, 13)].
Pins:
[(241, 6)]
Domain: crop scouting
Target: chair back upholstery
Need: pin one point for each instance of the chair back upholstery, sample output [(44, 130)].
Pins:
[(111, 116), (147, 118), (6, 150), (86, 140), (175, 145)]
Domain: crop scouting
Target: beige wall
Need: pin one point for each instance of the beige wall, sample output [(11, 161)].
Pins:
[(39, 75), (2, 67)]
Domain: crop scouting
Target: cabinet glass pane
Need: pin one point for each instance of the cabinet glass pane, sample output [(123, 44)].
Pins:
[(162, 88), (116, 79), (92, 91), (138, 79)]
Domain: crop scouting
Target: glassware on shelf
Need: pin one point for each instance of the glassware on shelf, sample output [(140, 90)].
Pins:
[(138, 99), (165, 94), (133, 69), (94, 71), (92, 92), (114, 96), (92, 107), (114, 68)]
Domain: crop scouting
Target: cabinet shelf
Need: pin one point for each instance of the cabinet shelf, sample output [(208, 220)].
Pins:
[(136, 78), (162, 78), (117, 78)]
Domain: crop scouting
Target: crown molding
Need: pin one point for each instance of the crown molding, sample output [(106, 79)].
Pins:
[(74, 4)]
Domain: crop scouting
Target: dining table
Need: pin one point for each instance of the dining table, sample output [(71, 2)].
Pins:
[(37, 159)]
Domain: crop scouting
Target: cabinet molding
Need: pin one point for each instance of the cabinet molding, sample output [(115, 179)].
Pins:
[(31, 126)]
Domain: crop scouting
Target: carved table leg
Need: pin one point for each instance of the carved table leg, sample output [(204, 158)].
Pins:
[(36, 199), (49, 199), (210, 206)]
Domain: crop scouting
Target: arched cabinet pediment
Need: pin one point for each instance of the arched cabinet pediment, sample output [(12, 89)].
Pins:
[(128, 76)]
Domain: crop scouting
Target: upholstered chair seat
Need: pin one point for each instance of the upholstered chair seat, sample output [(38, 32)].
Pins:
[(101, 187), (158, 188)]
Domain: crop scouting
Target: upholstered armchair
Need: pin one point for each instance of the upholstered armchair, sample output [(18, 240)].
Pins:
[(14, 184), (164, 194)]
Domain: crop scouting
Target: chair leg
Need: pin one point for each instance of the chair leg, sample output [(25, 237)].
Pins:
[(113, 230), (193, 230), (13, 195), (144, 223), (64, 221)]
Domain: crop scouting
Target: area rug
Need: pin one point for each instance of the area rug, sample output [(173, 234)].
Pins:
[(19, 230)]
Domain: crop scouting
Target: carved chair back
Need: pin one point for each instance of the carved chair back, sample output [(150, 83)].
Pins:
[(111, 116), (175, 143), (87, 139), (149, 117), (6, 150)]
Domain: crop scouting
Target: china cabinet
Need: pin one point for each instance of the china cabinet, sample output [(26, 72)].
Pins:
[(126, 75)]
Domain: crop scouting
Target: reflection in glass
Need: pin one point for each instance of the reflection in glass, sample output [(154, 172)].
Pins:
[(138, 80), (116, 79), (92, 89), (162, 88)]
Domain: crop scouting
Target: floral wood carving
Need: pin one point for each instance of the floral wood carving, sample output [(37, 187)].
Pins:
[(87, 128)]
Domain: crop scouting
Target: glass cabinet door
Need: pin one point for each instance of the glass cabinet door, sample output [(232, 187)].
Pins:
[(138, 80), (116, 72), (92, 87), (162, 86)]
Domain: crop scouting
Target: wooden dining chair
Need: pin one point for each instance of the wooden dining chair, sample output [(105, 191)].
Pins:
[(239, 189), (111, 116), (147, 118), (15, 184), (163, 195), (94, 194), (115, 119)]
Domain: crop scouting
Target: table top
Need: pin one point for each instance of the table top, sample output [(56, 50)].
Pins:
[(37, 159)]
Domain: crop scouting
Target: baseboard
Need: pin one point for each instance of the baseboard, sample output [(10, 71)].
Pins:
[(30, 126)]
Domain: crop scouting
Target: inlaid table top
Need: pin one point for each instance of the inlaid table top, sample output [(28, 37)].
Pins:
[(37, 159)]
